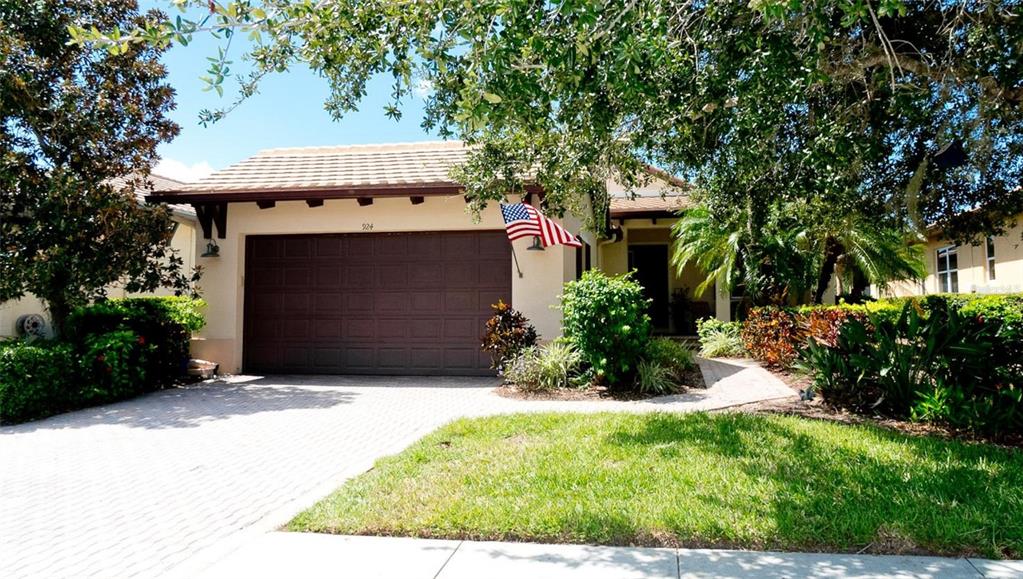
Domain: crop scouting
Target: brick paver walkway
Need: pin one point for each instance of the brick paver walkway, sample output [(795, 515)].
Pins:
[(139, 488)]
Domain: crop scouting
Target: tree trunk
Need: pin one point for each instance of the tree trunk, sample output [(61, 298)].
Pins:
[(859, 286), (59, 309), (832, 251)]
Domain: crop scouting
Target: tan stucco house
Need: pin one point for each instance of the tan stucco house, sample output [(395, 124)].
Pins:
[(184, 241), (991, 265), (363, 259)]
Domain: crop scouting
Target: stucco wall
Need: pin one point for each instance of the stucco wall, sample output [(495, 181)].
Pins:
[(973, 270), (184, 241), (223, 284)]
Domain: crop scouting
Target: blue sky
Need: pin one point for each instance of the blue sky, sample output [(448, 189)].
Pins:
[(287, 112)]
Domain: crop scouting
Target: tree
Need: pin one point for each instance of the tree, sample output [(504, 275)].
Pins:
[(907, 109), (78, 135)]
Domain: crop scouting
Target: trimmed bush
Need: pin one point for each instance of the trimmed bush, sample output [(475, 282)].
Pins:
[(720, 339), (164, 324), (110, 350), (506, 334), (36, 379), (116, 364), (605, 317)]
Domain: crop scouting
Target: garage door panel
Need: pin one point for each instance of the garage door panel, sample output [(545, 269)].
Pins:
[(358, 303), (360, 358), (392, 275), (391, 328), (392, 358), (298, 247), (411, 303), (425, 275), (328, 246), (328, 276), (359, 328), (360, 277), (327, 329), (425, 329)]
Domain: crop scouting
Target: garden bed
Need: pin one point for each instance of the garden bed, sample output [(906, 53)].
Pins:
[(695, 480), (691, 378)]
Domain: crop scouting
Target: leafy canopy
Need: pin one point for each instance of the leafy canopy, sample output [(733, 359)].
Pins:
[(78, 135), (912, 108)]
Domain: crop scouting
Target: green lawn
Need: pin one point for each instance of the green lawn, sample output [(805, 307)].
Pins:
[(695, 480)]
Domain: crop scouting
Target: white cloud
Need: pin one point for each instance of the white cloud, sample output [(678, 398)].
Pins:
[(423, 88), (174, 169)]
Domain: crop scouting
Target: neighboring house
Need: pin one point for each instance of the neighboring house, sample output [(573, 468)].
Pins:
[(184, 240), (363, 259), (992, 265)]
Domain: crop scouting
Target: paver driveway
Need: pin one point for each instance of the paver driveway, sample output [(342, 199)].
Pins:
[(140, 487)]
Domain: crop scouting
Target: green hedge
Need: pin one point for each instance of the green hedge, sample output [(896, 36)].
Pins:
[(36, 379), (954, 359), (110, 350)]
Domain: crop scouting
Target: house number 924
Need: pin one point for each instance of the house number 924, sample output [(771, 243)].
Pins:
[(367, 227)]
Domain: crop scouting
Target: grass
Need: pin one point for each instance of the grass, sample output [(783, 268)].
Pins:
[(730, 480)]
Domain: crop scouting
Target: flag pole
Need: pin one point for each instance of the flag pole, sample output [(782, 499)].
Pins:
[(515, 258)]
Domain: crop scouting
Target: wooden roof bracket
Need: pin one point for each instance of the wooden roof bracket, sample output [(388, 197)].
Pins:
[(212, 215)]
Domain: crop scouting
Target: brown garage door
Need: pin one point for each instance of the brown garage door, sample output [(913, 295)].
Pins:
[(374, 303)]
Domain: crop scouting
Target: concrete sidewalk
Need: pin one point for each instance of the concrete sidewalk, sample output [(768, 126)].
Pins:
[(343, 557)]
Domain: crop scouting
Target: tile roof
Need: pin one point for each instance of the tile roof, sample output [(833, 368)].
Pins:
[(351, 166), (648, 205), (160, 184)]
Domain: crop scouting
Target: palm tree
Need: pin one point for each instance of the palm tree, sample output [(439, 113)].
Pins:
[(785, 255), (861, 252), (764, 258)]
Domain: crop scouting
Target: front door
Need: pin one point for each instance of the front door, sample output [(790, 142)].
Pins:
[(651, 265)]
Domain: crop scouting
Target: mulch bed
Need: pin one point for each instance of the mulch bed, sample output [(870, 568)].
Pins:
[(816, 409), (692, 379)]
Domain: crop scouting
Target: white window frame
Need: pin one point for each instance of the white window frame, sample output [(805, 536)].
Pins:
[(989, 257), (944, 276)]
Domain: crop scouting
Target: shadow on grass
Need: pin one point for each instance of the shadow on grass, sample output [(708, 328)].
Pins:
[(875, 489)]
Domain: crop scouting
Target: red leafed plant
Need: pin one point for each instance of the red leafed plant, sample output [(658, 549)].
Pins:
[(506, 333)]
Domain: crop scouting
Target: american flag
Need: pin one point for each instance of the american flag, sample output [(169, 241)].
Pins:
[(522, 220)]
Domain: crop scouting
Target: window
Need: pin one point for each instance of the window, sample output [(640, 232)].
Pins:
[(948, 269), (991, 258)]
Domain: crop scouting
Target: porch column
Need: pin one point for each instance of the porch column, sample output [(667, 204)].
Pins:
[(722, 303)]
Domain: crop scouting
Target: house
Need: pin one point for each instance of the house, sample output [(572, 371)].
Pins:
[(363, 259), (184, 240), (991, 265)]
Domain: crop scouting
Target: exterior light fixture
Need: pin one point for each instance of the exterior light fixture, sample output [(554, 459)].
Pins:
[(536, 245), (212, 250)]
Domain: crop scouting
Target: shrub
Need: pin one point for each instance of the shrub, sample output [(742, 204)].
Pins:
[(116, 363), (36, 379), (555, 365), (164, 323), (670, 354), (720, 339), (605, 317), (773, 335), (506, 333), (932, 363)]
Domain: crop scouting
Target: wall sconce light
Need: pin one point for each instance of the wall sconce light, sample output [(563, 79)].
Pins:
[(212, 250), (536, 245)]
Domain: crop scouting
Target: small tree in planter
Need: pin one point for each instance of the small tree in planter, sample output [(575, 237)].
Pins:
[(506, 334), (605, 317)]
